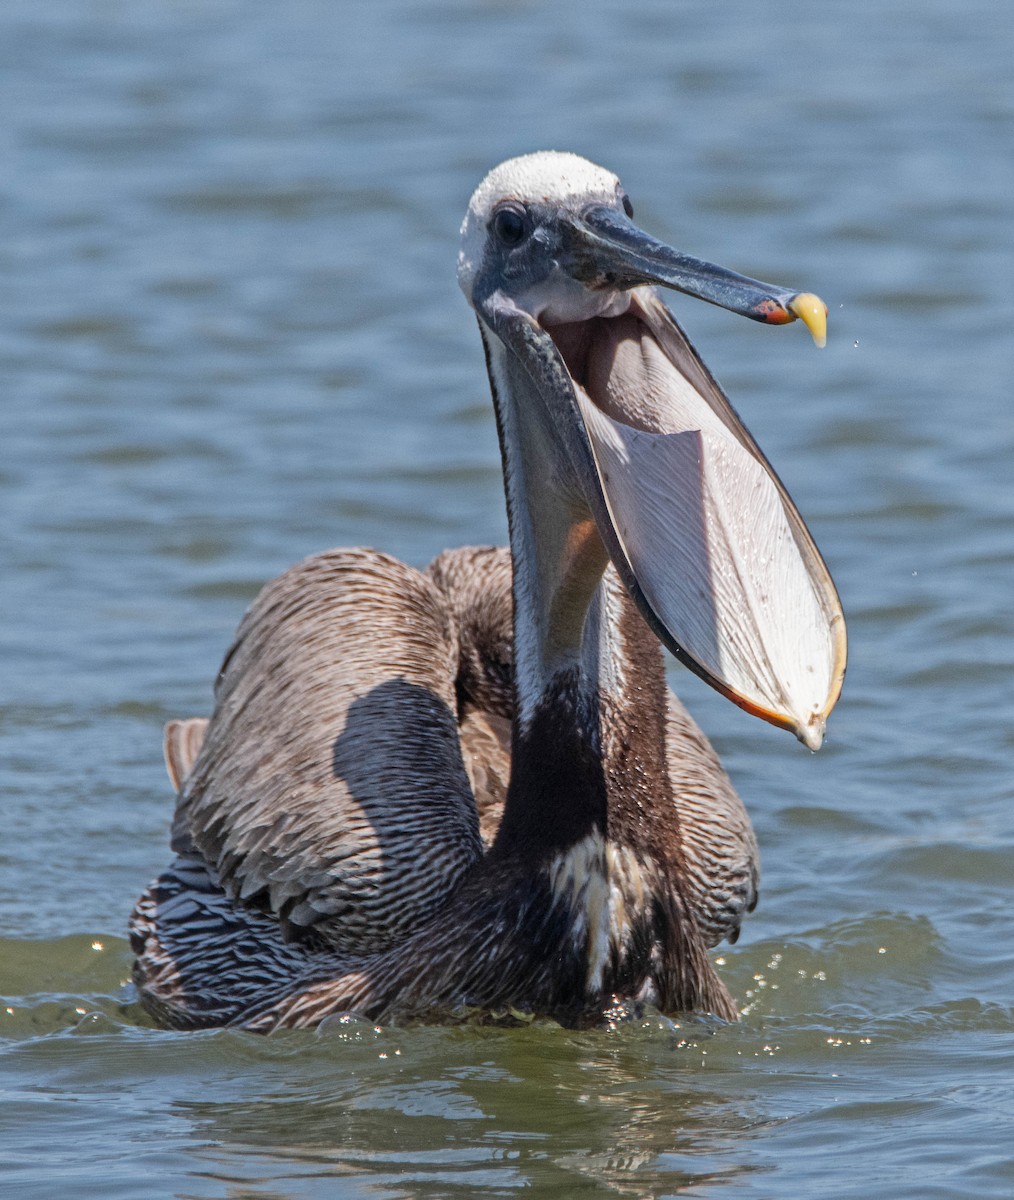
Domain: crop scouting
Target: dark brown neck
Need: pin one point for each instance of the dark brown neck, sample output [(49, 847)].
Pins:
[(642, 811), (557, 793), (590, 787), (591, 759)]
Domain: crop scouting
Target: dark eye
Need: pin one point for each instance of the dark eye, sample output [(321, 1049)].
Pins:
[(509, 226), (628, 208)]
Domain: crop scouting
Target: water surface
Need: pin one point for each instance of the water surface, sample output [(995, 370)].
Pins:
[(230, 336)]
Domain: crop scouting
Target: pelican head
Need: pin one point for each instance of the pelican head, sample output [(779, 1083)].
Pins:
[(616, 439)]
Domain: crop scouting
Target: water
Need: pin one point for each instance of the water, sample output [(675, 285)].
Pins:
[(230, 336)]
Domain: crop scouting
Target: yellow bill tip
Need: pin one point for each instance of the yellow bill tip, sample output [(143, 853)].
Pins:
[(812, 311)]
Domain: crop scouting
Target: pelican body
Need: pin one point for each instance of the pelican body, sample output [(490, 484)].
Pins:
[(428, 794)]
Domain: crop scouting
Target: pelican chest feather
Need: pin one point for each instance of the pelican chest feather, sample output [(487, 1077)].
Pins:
[(424, 793)]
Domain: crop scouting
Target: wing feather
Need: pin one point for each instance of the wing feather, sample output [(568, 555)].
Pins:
[(330, 788)]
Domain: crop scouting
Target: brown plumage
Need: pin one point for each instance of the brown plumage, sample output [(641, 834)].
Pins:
[(312, 849), (426, 794)]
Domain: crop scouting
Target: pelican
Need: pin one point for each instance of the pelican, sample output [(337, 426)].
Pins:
[(431, 794)]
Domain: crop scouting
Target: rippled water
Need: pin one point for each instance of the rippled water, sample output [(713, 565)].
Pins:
[(230, 335)]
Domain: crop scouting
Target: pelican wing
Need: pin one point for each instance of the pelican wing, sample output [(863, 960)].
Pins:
[(719, 847), (330, 787)]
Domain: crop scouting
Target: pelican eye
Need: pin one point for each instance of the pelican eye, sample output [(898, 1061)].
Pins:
[(509, 226), (628, 208)]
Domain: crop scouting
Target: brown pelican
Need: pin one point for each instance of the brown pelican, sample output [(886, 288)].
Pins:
[(423, 794)]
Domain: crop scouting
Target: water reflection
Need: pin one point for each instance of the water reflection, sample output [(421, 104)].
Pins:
[(625, 1114)]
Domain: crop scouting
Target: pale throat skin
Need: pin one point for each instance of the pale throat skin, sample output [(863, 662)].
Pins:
[(584, 359), (558, 554)]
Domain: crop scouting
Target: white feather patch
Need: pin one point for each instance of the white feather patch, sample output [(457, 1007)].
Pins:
[(604, 887)]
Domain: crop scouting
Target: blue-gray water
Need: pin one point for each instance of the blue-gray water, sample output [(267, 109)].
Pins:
[(230, 335)]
